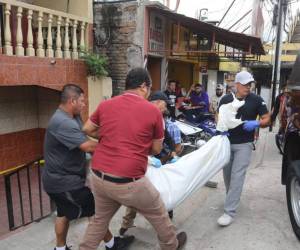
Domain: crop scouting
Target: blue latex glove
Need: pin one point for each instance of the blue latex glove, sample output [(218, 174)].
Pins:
[(156, 162), (251, 125), (88, 156)]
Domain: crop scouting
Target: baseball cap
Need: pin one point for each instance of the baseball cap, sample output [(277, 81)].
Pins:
[(244, 77), (159, 95), (219, 86)]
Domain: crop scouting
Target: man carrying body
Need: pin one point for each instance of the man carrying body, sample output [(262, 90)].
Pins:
[(160, 100), (172, 140), (64, 175), (136, 129), (241, 139)]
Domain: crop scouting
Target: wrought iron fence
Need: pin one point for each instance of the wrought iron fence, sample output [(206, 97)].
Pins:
[(26, 201)]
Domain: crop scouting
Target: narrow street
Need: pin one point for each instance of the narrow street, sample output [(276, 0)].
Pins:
[(262, 221)]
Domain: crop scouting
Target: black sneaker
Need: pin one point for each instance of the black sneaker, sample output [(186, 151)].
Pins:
[(121, 243)]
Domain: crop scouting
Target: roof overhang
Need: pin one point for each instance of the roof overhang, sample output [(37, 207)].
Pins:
[(246, 43)]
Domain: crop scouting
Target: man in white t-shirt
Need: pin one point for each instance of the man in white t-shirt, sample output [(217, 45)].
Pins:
[(215, 99)]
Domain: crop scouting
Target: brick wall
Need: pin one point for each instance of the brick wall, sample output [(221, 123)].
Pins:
[(119, 36), (20, 147)]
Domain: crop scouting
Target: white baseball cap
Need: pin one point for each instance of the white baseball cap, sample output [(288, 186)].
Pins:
[(244, 77)]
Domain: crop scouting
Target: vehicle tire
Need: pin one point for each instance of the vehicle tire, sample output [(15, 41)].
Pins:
[(293, 200), (279, 143)]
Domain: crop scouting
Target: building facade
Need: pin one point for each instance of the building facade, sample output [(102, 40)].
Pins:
[(169, 45)]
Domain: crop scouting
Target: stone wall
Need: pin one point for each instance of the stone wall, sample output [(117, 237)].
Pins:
[(119, 34)]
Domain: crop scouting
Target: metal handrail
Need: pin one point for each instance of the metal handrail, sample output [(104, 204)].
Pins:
[(22, 196)]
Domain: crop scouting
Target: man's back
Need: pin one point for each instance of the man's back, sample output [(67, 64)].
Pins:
[(64, 161), (127, 126)]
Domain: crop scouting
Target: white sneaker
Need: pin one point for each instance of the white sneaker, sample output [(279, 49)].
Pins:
[(225, 220)]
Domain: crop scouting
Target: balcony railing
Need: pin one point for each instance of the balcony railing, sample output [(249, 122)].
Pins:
[(30, 30)]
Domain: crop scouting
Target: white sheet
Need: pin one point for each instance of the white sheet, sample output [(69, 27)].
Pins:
[(178, 180)]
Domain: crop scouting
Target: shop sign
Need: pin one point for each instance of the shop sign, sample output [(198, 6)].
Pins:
[(156, 34), (229, 66)]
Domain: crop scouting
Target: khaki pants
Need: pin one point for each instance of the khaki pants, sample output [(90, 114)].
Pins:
[(140, 195), (128, 218)]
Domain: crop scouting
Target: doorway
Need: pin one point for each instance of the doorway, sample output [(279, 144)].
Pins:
[(154, 68)]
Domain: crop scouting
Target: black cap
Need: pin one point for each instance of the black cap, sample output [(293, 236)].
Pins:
[(159, 95)]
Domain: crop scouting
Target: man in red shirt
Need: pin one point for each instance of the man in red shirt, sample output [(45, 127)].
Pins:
[(128, 128)]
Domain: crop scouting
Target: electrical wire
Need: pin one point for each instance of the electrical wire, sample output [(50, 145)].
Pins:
[(237, 7)]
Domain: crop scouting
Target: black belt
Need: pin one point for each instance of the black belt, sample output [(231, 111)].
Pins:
[(114, 179)]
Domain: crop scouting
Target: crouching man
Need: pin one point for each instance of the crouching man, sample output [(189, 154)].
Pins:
[(64, 175)]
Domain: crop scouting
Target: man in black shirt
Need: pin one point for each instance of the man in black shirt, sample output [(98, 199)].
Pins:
[(171, 94), (241, 139)]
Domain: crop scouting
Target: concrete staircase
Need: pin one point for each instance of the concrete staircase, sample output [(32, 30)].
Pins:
[(295, 38)]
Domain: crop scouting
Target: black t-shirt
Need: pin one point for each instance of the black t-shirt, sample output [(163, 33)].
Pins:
[(172, 97), (254, 106)]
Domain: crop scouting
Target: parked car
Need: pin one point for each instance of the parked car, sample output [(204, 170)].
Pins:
[(291, 152)]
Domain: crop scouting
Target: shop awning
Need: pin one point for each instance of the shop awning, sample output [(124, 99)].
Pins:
[(235, 40)]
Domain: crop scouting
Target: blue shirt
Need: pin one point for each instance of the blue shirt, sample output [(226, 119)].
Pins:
[(174, 131)]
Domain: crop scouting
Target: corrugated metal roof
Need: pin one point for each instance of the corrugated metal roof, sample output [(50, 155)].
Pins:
[(228, 38)]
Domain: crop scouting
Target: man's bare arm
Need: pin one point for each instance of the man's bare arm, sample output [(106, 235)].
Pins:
[(88, 146), (265, 120), (157, 146), (91, 129)]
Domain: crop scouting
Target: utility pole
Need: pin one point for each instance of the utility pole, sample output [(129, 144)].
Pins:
[(277, 61)]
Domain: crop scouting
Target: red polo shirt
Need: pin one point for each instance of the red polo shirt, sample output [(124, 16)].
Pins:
[(128, 124)]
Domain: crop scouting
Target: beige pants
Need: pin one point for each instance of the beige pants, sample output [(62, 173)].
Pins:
[(140, 195)]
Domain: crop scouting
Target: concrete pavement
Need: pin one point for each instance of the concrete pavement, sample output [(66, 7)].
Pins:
[(262, 221)]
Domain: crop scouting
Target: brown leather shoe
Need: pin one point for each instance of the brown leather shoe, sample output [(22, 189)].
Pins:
[(181, 237)]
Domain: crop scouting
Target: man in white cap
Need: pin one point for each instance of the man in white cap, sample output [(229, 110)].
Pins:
[(215, 99), (241, 139)]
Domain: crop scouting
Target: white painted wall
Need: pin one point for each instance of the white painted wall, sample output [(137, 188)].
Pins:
[(212, 82), (99, 90)]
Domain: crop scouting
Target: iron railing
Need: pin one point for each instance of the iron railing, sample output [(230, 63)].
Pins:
[(26, 201)]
